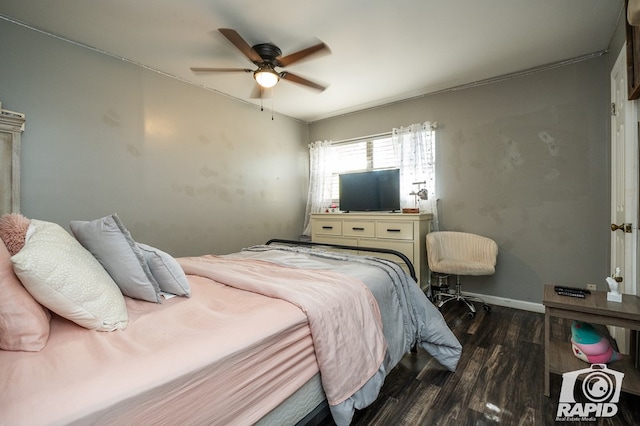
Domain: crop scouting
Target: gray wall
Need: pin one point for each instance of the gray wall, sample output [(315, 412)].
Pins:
[(188, 170), (194, 172), (546, 205)]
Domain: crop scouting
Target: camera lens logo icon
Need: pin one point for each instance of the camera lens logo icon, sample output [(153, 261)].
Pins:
[(598, 386)]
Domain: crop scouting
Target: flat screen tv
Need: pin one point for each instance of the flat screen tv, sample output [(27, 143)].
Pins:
[(373, 191)]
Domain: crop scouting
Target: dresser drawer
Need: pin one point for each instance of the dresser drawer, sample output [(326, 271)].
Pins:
[(326, 227), (404, 247), (394, 230), (328, 239), (363, 228)]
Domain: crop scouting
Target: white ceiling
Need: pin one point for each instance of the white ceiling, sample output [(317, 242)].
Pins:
[(382, 51)]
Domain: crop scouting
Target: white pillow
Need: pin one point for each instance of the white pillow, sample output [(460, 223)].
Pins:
[(166, 270), (111, 243), (63, 276)]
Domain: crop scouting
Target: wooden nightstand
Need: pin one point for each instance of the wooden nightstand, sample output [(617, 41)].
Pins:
[(594, 309)]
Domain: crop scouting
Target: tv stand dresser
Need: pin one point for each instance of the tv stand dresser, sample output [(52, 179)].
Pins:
[(405, 233)]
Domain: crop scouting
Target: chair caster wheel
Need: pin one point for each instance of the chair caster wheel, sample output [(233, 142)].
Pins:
[(471, 315), (487, 308)]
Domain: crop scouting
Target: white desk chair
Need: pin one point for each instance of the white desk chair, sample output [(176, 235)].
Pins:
[(460, 253)]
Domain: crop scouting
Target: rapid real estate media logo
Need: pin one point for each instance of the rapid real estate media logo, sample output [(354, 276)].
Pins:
[(589, 393)]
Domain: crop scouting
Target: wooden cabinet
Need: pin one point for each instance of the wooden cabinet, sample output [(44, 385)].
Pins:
[(405, 233)]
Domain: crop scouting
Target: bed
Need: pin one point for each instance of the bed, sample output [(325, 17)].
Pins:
[(272, 334)]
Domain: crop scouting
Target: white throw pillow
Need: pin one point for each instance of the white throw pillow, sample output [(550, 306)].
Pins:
[(60, 274)]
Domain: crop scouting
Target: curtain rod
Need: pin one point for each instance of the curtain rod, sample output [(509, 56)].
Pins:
[(377, 135), (434, 125)]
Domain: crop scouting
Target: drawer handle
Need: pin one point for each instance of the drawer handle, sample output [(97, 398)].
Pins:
[(393, 230), (327, 227), (357, 229)]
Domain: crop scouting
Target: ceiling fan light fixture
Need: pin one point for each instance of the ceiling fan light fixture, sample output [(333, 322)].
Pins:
[(266, 77)]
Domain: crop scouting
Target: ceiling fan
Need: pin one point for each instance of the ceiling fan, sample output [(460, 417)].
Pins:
[(267, 57)]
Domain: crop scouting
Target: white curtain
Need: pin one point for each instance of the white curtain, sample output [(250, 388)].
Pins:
[(415, 155), (319, 180)]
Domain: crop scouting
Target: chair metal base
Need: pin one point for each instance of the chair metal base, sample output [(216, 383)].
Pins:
[(443, 297)]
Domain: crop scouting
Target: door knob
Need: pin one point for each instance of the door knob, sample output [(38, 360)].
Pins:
[(625, 227)]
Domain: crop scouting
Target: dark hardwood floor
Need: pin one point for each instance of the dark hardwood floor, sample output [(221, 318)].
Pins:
[(499, 380)]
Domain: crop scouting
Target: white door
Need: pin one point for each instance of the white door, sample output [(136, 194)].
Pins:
[(624, 185)]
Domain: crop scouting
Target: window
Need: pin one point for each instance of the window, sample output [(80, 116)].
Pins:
[(359, 156), (410, 149)]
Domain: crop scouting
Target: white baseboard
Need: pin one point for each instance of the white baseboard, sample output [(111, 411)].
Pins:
[(509, 303)]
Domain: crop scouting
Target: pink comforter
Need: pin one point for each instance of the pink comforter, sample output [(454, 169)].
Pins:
[(222, 357), (343, 315)]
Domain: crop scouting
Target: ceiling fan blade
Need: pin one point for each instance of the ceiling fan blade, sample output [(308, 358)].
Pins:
[(243, 46), (297, 79), (197, 69), (302, 54)]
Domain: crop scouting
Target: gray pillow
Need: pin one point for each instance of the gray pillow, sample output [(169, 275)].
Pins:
[(166, 270), (111, 243)]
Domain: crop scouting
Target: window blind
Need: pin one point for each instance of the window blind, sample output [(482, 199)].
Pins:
[(359, 155)]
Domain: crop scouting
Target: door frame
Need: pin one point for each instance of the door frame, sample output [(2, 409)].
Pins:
[(627, 160)]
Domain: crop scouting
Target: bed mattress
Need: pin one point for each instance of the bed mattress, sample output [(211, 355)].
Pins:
[(167, 367)]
